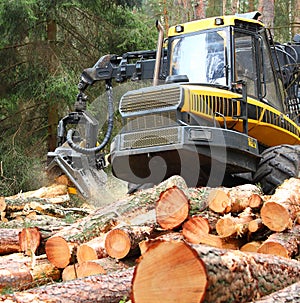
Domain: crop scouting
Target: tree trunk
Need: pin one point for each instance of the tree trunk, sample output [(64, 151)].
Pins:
[(19, 272), (110, 288), (286, 295), (284, 244), (280, 210), (266, 8), (197, 272), (9, 240), (59, 248)]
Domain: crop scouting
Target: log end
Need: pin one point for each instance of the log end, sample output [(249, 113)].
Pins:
[(86, 253), (219, 201), (117, 244), (193, 227), (58, 252), (226, 226), (169, 272), (275, 216), (172, 208), (273, 248)]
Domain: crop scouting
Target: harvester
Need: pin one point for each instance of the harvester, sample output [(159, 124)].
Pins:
[(223, 109)]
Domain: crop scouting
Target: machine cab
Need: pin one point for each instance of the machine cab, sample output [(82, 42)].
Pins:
[(223, 51)]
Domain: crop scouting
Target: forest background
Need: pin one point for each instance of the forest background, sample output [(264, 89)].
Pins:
[(45, 45)]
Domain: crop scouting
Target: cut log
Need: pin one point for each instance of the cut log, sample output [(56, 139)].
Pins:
[(219, 201), (124, 241), (84, 269), (290, 294), (197, 273), (193, 226), (251, 246), (9, 240), (60, 252), (255, 225), (280, 210), (29, 239), (51, 191), (169, 272), (217, 241), (16, 272), (230, 226), (91, 250), (89, 268), (172, 208), (60, 246), (235, 199), (283, 244), (110, 288)]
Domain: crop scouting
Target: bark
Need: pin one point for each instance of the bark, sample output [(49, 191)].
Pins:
[(9, 240), (234, 226), (235, 199), (19, 272), (283, 244), (124, 241), (286, 295), (280, 210), (197, 272), (110, 288), (91, 250), (172, 208), (131, 209)]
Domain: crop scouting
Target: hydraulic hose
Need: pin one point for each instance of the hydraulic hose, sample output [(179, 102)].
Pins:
[(110, 123)]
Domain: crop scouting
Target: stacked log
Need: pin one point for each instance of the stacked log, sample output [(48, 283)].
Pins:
[(191, 245)]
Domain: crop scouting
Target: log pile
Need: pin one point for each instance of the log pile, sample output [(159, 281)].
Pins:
[(169, 243)]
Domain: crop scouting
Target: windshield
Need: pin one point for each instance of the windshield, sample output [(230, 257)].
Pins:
[(201, 57)]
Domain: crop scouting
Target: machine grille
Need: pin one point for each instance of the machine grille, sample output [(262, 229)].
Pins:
[(157, 137), (162, 119), (209, 105), (148, 99)]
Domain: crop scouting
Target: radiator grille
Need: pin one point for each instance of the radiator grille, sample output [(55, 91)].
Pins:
[(149, 99), (162, 119), (170, 135), (208, 105)]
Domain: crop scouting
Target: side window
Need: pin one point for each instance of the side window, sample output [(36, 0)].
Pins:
[(245, 62), (270, 91)]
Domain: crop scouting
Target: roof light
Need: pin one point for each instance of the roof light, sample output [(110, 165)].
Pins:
[(179, 28), (219, 21)]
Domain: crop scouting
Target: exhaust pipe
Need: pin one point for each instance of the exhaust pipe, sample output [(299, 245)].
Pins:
[(158, 52)]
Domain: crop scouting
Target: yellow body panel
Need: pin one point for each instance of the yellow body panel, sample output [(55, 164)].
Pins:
[(266, 124)]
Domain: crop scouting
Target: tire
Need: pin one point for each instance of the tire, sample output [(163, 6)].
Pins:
[(277, 164)]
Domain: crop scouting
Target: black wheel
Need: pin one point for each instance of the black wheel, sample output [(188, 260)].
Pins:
[(277, 164)]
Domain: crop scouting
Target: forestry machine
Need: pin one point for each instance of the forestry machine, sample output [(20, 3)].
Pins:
[(224, 109)]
